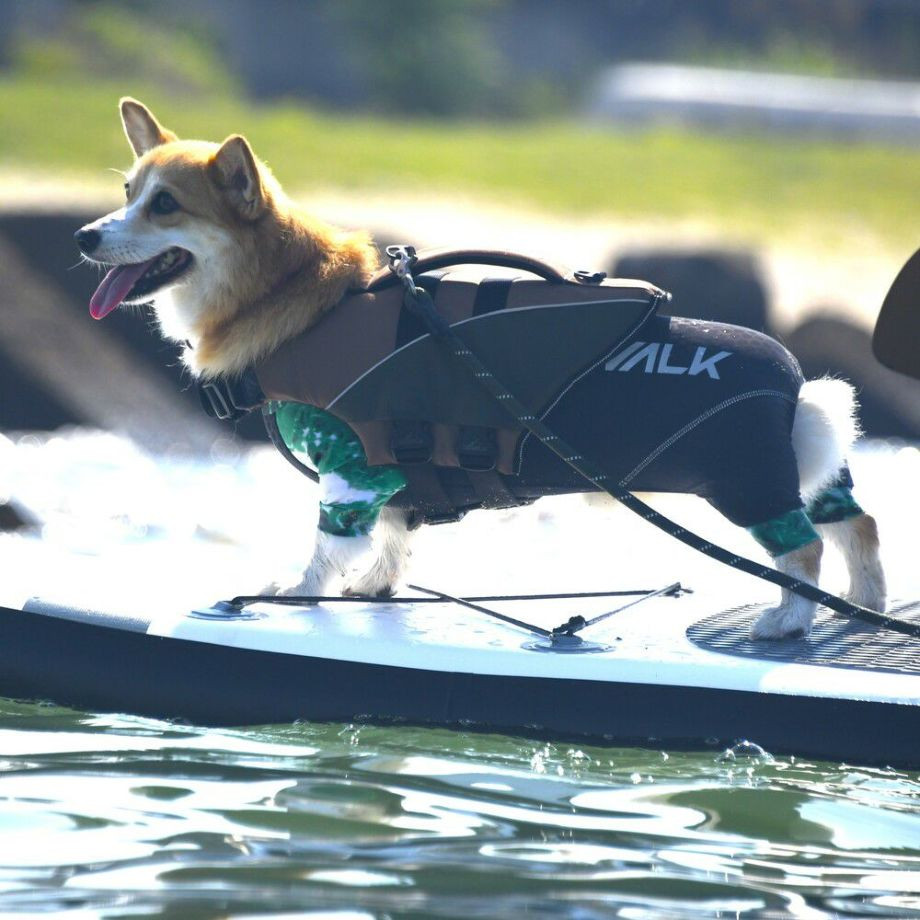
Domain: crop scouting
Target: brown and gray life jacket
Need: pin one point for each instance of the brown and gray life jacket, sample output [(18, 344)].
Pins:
[(370, 362), (659, 403)]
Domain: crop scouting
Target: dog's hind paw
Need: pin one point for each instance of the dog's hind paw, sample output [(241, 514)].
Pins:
[(871, 597), (783, 622)]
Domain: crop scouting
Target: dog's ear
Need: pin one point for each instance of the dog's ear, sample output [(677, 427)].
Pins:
[(144, 132), (238, 175)]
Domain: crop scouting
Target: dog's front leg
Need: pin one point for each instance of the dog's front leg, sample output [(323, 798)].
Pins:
[(332, 557), (392, 537)]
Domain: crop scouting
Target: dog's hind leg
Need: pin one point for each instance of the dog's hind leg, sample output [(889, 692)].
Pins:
[(794, 616), (857, 540), (391, 542), (840, 520)]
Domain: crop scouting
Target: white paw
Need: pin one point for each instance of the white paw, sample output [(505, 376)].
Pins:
[(275, 590), (370, 585), (311, 585), (788, 621), (867, 597)]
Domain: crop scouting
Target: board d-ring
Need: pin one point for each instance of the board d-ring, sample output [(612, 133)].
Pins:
[(565, 644), (225, 610)]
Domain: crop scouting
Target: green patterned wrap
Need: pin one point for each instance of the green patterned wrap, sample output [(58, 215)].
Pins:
[(833, 505), (352, 493), (783, 534)]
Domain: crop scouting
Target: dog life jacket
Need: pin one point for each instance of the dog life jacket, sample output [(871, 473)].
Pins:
[(370, 363), (660, 403)]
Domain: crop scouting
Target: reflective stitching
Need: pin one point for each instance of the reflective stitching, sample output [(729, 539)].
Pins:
[(471, 319), (709, 413), (652, 308)]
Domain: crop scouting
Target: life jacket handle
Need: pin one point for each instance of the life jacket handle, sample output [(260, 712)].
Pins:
[(433, 259)]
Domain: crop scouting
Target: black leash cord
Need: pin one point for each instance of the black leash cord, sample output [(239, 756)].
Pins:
[(419, 301)]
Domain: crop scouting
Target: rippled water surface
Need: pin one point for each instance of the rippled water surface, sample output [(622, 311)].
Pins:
[(112, 815), (121, 816)]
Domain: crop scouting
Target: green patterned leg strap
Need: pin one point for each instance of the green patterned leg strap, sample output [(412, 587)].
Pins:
[(833, 505), (352, 494), (785, 533)]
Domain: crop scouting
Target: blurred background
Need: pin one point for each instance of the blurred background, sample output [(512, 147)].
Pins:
[(758, 158)]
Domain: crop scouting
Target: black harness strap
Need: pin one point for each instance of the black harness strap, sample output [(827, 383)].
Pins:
[(428, 498), (491, 491), (271, 427), (491, 295), (410, 326), (412, 442), (477, 448), (418, 300)]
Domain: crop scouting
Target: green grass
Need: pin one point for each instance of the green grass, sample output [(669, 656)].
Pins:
[(766, 184)]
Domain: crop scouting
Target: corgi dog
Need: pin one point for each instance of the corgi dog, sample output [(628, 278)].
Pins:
[(234, 269)]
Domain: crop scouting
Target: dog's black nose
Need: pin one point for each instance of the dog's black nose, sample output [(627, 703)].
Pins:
[(87, 240)]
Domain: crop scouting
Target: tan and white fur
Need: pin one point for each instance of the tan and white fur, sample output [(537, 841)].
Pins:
[(261, 271), (823, 434)]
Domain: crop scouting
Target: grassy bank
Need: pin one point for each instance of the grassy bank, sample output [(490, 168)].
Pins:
[(767, 183)]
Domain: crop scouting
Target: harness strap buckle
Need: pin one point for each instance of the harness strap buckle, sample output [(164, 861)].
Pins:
[(411, 442)]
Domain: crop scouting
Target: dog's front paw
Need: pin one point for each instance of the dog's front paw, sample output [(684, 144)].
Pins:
[(379, 581), (788, 621), (366, 588), (302, 589), (309, 586)]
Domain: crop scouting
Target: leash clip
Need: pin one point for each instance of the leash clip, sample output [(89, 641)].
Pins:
[(401, 259)]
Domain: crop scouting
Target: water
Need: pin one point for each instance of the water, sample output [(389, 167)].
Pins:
[(118, 816)]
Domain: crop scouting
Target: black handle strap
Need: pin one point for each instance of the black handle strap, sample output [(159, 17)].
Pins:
[(433, 259)]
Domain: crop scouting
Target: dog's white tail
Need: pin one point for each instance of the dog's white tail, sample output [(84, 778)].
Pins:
[(823, 433)]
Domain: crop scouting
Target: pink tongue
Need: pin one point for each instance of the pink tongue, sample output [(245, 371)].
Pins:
[(115, 287)]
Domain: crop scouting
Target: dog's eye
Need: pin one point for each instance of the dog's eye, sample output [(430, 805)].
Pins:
[(163, 203), (127, 191)]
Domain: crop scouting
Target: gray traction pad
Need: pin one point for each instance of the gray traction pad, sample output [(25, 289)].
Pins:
[(835, 641)]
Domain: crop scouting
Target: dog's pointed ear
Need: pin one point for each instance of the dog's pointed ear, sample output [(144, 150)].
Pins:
[(143, 131), (238, 175)]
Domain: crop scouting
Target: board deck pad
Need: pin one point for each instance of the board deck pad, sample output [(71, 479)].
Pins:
[(835, 641)]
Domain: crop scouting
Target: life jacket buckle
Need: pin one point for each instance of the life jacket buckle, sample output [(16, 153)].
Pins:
[(411, 442), (477, 448)]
